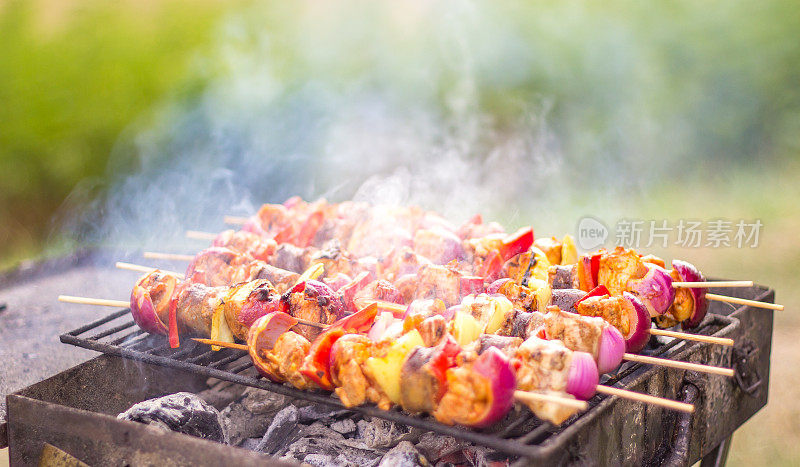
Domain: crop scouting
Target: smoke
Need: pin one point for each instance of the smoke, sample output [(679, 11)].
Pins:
[(391, 105)]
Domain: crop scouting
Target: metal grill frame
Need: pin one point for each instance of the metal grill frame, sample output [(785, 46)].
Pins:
[(540, 441)]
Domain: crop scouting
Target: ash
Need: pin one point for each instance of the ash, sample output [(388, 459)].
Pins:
[(316, 435)]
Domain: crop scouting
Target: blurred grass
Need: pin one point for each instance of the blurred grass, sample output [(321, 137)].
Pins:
[(73, 76)]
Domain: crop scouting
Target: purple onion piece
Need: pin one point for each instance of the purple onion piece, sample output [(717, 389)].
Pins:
[(612, 347), (496, 368), (639, 318), (583, 376), (654, 290)]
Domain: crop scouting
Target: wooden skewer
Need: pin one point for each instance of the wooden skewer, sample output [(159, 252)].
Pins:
[(692, 337), (714, 370), (229, 345), (744, 301), (714, 284), (93, 301), (382, 305), (646, 398), (198, 235), (519, 395), (524, 396), (169, 256), (235, 220), (139, 268)]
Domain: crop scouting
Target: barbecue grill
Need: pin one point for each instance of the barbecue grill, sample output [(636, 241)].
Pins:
[(74, 410)]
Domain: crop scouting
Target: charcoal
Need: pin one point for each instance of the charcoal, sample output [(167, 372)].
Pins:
[(323, 460), (182, 412), (435, 447), (220, 394), (250, 443), (379, 433), (280, 431), (345, 426), (403, 455), (251, 416), (337, 449), (316, 412)]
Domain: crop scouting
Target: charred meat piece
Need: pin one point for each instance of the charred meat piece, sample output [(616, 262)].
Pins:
[(246, 302), (618, 267), (216, 266), (281, 279), (314, 301), (563, 277), (551, 246), (246, 243), (348, 355), (439, 282), (196, 306), (544, 365), (581, 333), (612, 309)]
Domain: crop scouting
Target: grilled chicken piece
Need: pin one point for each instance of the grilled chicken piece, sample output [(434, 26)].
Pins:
[(551, 246), (618, 267), (432, 329), (612, 309), (292, 258), (196, 306), (348, 355), (246, 302), (286, 358), (439, 282), (400, 262), (563, 277), (216, 266), (246, 243), (281, 279), (544, 365), (506, 344), (467, 397), (317, 303), (553, 413), (581, 333), (683, 305)]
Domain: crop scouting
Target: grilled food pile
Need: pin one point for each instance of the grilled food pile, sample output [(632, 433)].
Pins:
[(415, 312)]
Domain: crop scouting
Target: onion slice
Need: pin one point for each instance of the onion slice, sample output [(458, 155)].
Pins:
[(583, 376), (611, 349), (639, 318), (689, 273), (263, 334), (496, 368), (654, 290)]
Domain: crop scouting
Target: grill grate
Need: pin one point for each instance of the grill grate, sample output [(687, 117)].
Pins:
[(519, 434)]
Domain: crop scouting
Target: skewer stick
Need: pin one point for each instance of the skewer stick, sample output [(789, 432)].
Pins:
[(311, 323), (744, 301), (714, 370), (198, 235), (692, 337), (93, 301), (168, 256), (140, 268), (382, 305), (524, 396), (519, 395), (229, 345), (646, 398), (714, 284), (235, 220)]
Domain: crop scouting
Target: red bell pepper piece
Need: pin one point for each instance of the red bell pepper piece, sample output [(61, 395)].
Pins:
[(516, 243), (174, 340), (492, 266), (598, 291), (444, 358), (317, 364), (348, 292), (595, 268), (309, 229), (360, 321)]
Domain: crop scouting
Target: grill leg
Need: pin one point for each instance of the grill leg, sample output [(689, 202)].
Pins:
[(718, 456)]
